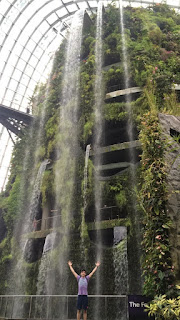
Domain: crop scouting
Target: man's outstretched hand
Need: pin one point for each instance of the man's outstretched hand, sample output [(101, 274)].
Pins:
[(72, 269), (97, 264)]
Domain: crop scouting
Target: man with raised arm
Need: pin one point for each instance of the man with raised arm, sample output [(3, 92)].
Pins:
[(83, 279)]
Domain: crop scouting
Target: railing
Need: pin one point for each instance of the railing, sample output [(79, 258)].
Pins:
[(47, 223), (110, 307), (108, 213), (117, 87)]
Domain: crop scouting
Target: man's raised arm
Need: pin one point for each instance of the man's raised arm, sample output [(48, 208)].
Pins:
[(72, 270), (94, 270)]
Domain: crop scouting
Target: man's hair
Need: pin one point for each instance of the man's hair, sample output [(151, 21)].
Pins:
[(83, 270)]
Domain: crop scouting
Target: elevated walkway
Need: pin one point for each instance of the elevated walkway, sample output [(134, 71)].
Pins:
[(114, 91), (14, 120), (117, 93), (110, 217), (117, 157), (117, 147)]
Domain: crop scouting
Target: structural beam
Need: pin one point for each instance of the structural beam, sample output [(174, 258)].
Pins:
[(14, 120), (117, 147)]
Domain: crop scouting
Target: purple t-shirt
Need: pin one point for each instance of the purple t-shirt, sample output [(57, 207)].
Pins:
[(82, 285)]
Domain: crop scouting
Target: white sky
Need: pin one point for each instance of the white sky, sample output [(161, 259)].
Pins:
[(27, 43)]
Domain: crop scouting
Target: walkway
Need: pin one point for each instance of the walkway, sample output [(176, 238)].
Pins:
[(14, 120)]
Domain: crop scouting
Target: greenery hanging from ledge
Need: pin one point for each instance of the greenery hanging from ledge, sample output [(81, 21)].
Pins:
[(157, 266)]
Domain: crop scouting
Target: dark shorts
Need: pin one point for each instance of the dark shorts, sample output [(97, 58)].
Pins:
[(82, 302)]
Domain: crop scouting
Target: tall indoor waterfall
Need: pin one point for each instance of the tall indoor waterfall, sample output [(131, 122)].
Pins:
[(29, 199), (67, 153), (83, 210), (130, 132), (98, 95)]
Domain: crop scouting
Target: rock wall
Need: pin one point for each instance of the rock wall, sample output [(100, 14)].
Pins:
[(171, 129)]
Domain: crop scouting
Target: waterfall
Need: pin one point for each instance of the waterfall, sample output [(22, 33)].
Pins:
[(33, 156), (27, 198), (98, 92), (45, 265), (27, 227), (126, 79), (19, 272), (27, 205), (98, 95), (120, 267), (67, 148), (84, 231), (86, 172), (134, 214), (34, 204), (67, 157)]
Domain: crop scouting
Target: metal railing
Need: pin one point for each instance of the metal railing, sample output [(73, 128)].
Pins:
[(110, 307), (108, 213), (47, 223)]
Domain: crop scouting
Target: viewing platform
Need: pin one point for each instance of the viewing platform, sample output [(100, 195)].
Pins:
[(51, 306), (117, 146), (110, 216), (117, 157), (115, 91), (14, 120)]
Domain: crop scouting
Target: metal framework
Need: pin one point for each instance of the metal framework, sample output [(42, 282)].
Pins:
[(30, 33), (14, 120)]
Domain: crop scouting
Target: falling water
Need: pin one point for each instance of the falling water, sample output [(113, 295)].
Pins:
[(18, 280), (134, 216), (84, 232), (28, 195), (86, 172), (67, 157), (46, 263), (28, 201), (37, 142), (98, 92), (34, 205), (98, 115), (126, 79), (67, 149), (120, 267)]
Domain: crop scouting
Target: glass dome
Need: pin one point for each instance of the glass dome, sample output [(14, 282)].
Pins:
[(30, 33)]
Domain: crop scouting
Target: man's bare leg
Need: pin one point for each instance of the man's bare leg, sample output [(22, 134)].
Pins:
[(78, 314), (84, 314)]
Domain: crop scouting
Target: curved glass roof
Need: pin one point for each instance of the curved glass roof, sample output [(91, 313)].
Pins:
[(30, 33)]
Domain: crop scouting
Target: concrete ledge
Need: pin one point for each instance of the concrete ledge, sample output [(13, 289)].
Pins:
[(118, 146), (117, 64), (117, 165), (108, 224), (123, 92)]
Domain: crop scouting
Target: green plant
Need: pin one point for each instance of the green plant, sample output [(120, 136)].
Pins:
[(163, 308), (157, 266)]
